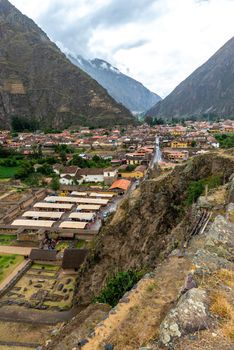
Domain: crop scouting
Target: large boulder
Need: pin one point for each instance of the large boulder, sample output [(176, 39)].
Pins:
[(221, 233), (230, 212), (231, 190), (208, 261), (189, 315)]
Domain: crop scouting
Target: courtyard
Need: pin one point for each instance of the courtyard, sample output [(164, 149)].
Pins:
[(42, 287)]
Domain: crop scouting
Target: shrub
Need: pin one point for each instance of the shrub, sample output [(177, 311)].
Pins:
[(197, 188), (117, 286), (225, 140), (55, 185)]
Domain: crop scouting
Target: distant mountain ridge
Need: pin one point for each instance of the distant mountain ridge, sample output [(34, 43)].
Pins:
[(125, 90), (210, 89), (39, 83)]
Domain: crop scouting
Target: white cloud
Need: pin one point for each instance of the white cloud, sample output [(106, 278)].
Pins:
[(158, 42)]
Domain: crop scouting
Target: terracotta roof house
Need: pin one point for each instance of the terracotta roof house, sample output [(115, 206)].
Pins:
[(121, 185)]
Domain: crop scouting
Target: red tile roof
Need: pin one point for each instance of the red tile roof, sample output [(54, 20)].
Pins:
[(121, 184)]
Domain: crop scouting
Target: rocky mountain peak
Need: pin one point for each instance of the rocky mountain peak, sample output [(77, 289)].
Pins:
[(209, 89)]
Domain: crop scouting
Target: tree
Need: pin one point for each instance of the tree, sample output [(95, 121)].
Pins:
[(55, 185), (193, 143), (63, 156), (20, 124), (149, 120), (45, 169), (24, 171)]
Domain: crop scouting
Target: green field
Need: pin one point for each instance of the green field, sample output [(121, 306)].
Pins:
[(7, 239), (7, 172), (8, 263), (45, 267)]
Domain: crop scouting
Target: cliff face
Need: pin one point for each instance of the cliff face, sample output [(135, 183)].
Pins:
[(38, 82), (207, 90), (149, 224)]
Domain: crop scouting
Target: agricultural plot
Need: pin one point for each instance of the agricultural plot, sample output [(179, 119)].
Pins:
[(8, 263), (7, 239), (42, 287), (7, 172)]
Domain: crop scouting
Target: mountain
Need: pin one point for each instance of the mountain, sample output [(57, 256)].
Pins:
[(38, 82), (210, 89), (132, 94)]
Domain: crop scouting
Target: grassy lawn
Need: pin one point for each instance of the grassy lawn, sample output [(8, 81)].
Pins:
[(61, 246), (8, 263), (7, 239), (7, 172), (45, 267), (80, 244)]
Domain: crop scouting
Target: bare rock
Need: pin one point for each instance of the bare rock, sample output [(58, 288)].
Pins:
[(221, 233), (231, 190), (210, 261), (189, 316), (230, 212)]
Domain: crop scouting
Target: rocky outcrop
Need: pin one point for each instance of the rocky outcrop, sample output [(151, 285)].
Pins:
[(148, 225), (190, 315), (208, 90), (231, 190), (221, 234), (39, 83)]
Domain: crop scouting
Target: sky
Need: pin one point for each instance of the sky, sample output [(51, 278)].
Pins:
[(157, 42)]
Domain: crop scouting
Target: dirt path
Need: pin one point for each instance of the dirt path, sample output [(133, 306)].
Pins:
[(15, 250), (10, 313), (144, 308), (5, 195)]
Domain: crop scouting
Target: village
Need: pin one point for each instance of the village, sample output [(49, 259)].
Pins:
[(47, 229)]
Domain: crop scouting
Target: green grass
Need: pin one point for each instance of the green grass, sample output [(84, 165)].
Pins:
[(7, 172), (8, 263), (62, 246), (80, 244), (45, 267), (7, 239)]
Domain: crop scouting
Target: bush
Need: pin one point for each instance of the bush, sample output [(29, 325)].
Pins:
[(117, 286), (45, 169), (95, 162), (225, 140), (24, 171), (197, 188), (55, 185)]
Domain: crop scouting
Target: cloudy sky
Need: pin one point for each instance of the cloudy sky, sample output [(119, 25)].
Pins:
[(158, 42)]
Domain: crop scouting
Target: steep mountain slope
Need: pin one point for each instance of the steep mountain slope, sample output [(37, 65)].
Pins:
[(148, 223), (153, 229), (38, 82), (132, 94), (209, 89)]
